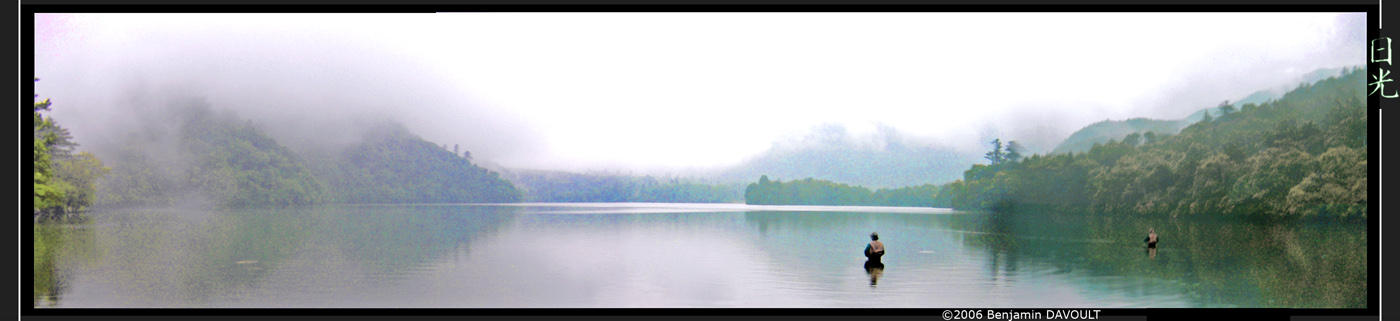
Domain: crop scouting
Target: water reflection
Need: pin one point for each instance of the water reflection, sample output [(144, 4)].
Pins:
[(57, 246), (263, 257), (518, 256), (553, 259), (1210, 263), (875, 269), (822, 247)]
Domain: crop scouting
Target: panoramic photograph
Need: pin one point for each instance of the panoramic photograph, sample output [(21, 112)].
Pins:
[(700, 160)]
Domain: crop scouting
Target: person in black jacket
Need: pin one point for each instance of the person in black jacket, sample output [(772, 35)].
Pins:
[(1151, 238), (875, 249)]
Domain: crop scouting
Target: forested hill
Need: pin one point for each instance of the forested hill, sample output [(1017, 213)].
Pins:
[(201, 157), (1303, 155), (554, 186), (809, 191), (392, 165), (1097, 133), (207, 158)]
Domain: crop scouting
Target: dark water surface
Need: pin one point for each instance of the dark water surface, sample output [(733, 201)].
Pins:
[(685, 255)]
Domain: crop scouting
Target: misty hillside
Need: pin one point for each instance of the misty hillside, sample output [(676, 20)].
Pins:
[(392, 165), (886, 160), (206, 158), (1101, 132)]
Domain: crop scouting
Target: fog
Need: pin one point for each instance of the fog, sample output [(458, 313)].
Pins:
[(665, 91)]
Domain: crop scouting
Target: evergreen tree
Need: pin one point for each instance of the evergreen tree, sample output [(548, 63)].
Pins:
[(996, 155)]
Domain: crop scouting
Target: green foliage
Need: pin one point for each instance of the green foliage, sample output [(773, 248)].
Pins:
[(64, 183), (239, 166), (47, 195), (1337, 187), (77, 181), (1266, 178), (806, 192), (1302, 155)]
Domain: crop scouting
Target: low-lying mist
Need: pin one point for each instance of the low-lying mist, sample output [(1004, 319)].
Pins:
[(308, 91), (314, 83)]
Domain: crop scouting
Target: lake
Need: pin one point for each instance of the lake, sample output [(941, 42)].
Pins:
[(685, 255)]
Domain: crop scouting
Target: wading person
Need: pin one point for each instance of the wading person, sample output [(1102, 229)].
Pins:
[(873, 252), (875, 249), (1151, 238)]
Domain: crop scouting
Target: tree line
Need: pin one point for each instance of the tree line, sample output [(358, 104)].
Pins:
[(64, 182), (540, 186), (810, 191)]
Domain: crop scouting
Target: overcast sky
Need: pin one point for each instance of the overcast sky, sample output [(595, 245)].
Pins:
[(650, 91)]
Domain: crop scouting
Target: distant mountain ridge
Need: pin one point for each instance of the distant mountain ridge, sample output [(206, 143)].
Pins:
[(888, 159), (1101, 132)]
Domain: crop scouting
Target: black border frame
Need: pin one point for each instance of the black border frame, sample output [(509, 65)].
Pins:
[(29, 8)]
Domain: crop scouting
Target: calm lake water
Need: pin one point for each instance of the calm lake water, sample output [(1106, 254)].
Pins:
[(685, 255)]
